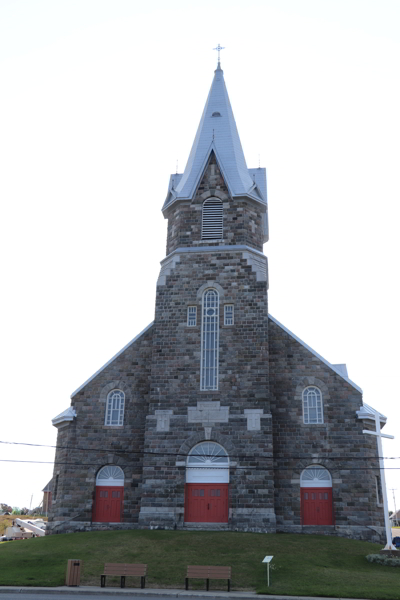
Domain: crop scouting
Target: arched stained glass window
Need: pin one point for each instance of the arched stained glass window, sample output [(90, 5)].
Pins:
[(315, 476), (115, 408), (212, 219), (207, 454), (312, 406), (110, 475), (209, 341)]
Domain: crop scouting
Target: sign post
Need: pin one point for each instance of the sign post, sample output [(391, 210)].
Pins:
[(267, 560), (379, 435)]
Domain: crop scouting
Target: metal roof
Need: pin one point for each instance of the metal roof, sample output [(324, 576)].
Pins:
[(368, 412), (67, 415), (218, 132), (49, 486)]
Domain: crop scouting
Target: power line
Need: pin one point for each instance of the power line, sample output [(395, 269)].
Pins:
[(172, 454), (247, 467)]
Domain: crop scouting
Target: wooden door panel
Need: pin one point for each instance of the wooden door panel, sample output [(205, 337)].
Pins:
[(108, 504), (207, 503), (316, 506)]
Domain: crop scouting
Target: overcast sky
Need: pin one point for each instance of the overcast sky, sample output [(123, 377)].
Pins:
[(99, 100)]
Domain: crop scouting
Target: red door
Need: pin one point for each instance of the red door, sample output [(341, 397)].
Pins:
[(316, 506), (108, 504), (207, 502)]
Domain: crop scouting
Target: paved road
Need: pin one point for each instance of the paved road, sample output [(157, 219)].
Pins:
[(92, 593), (121, 594), (61, 596)]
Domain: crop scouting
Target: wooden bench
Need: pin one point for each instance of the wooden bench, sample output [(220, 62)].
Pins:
[(209, 572), (124, 570)]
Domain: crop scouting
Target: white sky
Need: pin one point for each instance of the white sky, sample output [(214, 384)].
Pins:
[(100, 98)]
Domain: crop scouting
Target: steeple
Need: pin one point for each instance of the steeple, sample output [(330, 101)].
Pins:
[(217, 132)]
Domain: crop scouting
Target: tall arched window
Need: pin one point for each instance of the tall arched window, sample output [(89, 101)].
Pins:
[(115, 408), (212, 220), (312, 406), (209, 341)]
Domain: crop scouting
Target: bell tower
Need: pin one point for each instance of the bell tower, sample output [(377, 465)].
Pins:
[(209, 372)]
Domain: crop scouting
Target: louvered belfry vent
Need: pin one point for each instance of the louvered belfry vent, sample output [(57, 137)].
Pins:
[(212, 222)]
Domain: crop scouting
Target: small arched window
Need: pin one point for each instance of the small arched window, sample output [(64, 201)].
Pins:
[(115, 408), (315, 476), (312, 406), (212, 220), (110, 475), (209, 340), (208, 454)]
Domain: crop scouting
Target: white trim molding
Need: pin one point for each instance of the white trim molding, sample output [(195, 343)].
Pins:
[(64, 417)]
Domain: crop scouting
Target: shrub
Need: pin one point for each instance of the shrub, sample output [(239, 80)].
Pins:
[(382, 559)]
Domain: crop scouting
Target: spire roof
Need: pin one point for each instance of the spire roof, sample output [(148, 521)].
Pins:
[(217, 132)]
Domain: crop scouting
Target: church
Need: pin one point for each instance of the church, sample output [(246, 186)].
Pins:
[(216, 416)]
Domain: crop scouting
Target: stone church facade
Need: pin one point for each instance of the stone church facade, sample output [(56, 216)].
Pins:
[(216, 416)]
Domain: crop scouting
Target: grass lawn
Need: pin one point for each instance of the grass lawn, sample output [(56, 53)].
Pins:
[(303, 564)]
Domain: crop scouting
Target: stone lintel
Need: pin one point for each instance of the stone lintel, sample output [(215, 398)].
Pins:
[(163, 417), (252, 511), (253, 416), (208, 413)]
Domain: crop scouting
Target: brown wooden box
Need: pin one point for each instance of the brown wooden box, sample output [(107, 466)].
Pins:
[(73, 577)]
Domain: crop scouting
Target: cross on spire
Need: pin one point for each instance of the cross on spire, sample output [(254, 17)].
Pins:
[(219, 48)]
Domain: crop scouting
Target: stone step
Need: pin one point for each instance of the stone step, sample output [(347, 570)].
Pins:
[(207, 526)]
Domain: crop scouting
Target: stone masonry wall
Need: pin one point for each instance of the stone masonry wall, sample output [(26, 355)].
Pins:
[(92, 445), (242, 217), (338, 444), (243, 385)]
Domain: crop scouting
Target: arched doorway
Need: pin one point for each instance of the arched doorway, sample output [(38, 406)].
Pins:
[(109, 495), (316, 496), (207, 484)]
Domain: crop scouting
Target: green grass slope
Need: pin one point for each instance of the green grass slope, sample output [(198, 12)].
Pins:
[(303, 564)]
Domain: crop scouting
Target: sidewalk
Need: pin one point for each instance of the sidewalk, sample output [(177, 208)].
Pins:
[(155, 593)]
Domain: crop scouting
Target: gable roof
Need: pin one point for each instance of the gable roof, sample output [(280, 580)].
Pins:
[(217, 132), (338, 369), (368, 412), (111, 360), (67, 415), (48, 487)]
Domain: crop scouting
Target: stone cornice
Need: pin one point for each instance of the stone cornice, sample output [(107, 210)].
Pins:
[(204, 249), (255, 258)]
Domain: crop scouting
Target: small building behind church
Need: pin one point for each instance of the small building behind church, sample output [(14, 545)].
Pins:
[(216, 416)]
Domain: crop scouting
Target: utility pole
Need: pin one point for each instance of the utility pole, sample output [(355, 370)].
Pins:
[(379, 435)]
